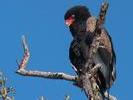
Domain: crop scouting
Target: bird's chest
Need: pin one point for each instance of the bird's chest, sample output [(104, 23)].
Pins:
[(78, 52)]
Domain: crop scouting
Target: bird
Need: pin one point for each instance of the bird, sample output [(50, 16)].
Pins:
[(82, 27)]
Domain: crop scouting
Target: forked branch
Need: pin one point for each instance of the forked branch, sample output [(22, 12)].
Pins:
[(51, 75)]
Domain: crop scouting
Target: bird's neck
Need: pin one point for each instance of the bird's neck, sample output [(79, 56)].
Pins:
[(80, 37), (78, 30)]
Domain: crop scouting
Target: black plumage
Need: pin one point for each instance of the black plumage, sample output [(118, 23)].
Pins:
[(82, 39)]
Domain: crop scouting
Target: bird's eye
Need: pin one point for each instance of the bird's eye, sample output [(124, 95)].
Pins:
[(73, 16)]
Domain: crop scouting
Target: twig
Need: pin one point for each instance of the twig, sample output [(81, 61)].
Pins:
[(26, 56), (102, 14), (42, 98), (110, 96), (8, 98), (67, 97), (51, 75)]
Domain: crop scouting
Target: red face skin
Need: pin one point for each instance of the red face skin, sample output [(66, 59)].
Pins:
[(69, 20)]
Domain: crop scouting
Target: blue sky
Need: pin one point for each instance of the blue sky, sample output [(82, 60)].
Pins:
[(42, 21)]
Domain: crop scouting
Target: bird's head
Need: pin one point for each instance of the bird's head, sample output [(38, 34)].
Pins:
[(75, 16)]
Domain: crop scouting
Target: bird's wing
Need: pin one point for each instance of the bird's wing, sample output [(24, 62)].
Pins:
[(91, 24), (106, 57), (76, 56)]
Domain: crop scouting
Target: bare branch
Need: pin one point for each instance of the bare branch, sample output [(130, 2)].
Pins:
[(110, 96), (102, 14), (42, 98), (9, 98), (90, 85), (50, 75), (26, 56), (67, 97)]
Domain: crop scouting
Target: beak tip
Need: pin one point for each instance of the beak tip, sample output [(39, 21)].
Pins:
[(67, 23)]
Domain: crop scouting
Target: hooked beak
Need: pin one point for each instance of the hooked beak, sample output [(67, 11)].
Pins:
[(68, 22)]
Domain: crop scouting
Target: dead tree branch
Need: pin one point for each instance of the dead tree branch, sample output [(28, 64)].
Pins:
[(67, 97), (42, 98), (51, 75), (8, 98), (110, 96), (89, 84)]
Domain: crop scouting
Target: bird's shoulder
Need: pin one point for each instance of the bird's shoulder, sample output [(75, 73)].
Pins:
[(105, 40)]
